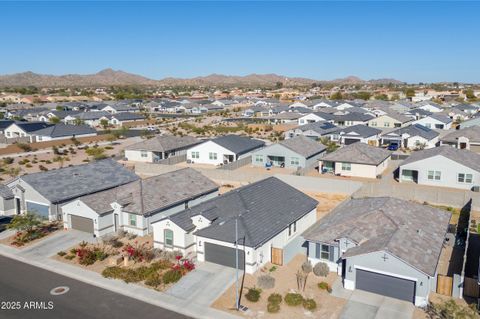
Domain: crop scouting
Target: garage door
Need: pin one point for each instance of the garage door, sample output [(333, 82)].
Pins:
[(38, 209), (223, 255), (349, 141), (385, 285), (82, 223)]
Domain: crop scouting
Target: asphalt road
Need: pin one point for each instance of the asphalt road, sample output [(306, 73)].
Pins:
[(28, 288)]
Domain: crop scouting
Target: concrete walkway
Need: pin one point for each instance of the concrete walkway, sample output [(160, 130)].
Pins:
[(38, 255), (205, 284)]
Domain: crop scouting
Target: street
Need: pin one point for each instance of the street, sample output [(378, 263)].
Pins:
[(27, 290)]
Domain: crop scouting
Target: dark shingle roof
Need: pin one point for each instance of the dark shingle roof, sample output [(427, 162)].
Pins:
[(441, 117), (415, 235), (471, 132), (359, 153), (320, 127), (464, 157), (415, 130), (5, 123), (238, 144), (32, 126), (165, 143), (263, 209), (127, 116), (304, 146), (75, 181), (360, 130), (60, 130), (6, 192)]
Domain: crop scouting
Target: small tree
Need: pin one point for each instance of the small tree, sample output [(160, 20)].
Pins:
[(26, 222), (104, 123), (54, 120)]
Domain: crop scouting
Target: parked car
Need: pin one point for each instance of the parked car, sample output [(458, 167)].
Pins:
[(393, 147)]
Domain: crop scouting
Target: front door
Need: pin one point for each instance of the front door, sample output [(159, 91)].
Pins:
[(17, 206)]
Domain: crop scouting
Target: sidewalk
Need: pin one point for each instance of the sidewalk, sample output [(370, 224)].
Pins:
[(185, 307)]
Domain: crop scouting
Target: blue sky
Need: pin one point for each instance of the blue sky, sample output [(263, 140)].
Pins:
[(409, 41)]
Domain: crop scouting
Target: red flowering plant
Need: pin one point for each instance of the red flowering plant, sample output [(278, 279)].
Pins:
[(138, 252), (183, 265)]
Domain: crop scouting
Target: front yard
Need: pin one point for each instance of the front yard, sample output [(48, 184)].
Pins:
[(131, 259), (314, 301), (29, 229)]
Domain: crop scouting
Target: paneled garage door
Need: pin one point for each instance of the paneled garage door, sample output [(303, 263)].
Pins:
[(385, 285), (82, 223), (349, 141), (223, 255)]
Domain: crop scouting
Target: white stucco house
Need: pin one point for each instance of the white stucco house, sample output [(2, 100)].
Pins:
[(444, 166), (356, 160), (315, 117), (133, 207), (466, 138), (269, 215), (357, 133), (435, 121), (374, 248), (412, 137), (223, 150)]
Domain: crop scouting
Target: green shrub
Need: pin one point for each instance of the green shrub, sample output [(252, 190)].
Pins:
[(171, 276), (325, 286), (153, 280), (61, 253), (253, 294), (275, 298), (272, 269), (293, 299), (69, 257), (309, 304), (28, 165), (113, 272), (8, 160), (273, 307)]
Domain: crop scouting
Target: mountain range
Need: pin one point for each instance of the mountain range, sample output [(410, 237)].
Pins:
[(109, 77)]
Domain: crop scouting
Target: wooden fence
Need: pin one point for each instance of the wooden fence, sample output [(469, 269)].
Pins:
[(470, 287), (237, 164), (444, 285), (173, 160)]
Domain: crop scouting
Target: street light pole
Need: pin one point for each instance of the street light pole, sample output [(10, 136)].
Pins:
[(237, 306)]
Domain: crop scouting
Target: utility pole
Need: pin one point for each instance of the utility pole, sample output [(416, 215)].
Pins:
[(237, 306)]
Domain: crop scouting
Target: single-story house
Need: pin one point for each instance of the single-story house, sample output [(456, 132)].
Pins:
[(358, 159), (62, 131), (357, 133), (24, 129), (312, 130), (475, 121), (223, 150), (297, 152), (44, 193), (315, 117), (91, 118), (382, 245), (436, 121), (412, 137), (123, 117), (442, 166), (160, 147), (352, 119), (430, 107), (465, 138), (268, 215), (390, 120), (7, 201), (4, 124), (134, 206)]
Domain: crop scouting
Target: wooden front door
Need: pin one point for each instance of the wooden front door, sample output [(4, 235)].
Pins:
[(277, 256)]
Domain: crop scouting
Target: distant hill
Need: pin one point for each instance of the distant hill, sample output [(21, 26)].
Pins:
[(109, 77)]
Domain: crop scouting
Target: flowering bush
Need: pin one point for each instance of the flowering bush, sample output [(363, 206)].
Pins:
[(89, 255), (183, 266), (138, 252), (24, 236)]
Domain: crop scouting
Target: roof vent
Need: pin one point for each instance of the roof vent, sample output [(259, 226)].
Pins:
[(222, 223)]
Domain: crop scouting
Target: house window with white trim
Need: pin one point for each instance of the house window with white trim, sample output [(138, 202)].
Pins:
[(434, 175), (168, 233), (212, 156), (346, 166), (132, 219), (292, 228), (465, 178), (294, 161), (143, 153), (259, 158), (386, 124), (325, 252), (196, 155)]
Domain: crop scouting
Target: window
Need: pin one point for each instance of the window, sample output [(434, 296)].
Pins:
[(386, 124), (434, 175), (465, 178), (132, 219), (346, 167), (373, 124), (212, 156), (168, 237), (195, 154), (259, 158), (294, 161), (292, 228), (143, 153), (428, 125), (325, 253)]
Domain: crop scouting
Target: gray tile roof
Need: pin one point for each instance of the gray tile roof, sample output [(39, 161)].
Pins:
[(359, 153), (360, 129), (399, 117), (471, 132), (153, 194), (75, 181), (32, 126), (91, 115), (238, 144), (441, 117), (165, 143), (412, 232), (61, 130), (414, 130), (127, 116), (464, 157), (353, 116), (263, 209), (320, 127), (6, 192), (304, 146)]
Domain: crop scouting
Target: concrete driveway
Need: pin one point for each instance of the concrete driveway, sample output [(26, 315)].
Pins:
[(204, 284), (365, 305)]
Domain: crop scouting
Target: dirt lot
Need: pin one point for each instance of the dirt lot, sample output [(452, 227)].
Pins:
[(285, 281)]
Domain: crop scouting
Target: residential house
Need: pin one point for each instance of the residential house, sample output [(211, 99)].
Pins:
[(24, 129), (353, 118), (7, 201), (91, 118), (125, 117), (44, 193), (4, 124), (267, 216), (312, 130), (297, 152), (357, 133), (62, 131), (475, 121), (390, 120), (430, 107), (412, 137), (436, 121), (358, 159), (444, 166), (315, 117), (133, 207), (465, 138), (375, 248), (160, 147), (223, 150)]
